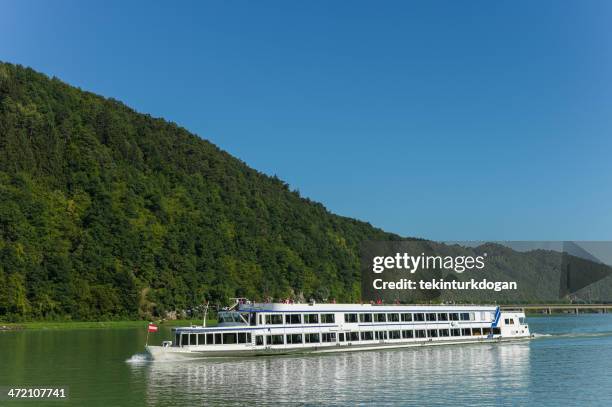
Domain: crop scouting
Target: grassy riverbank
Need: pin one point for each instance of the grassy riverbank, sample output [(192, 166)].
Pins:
[(6, 326)]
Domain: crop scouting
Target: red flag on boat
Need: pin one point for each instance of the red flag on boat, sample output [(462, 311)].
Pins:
[(152, 328)]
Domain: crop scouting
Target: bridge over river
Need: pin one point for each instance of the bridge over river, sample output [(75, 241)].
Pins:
[(568, 308)]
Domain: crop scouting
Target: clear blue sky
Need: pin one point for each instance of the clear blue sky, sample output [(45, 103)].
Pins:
[(441, 119)]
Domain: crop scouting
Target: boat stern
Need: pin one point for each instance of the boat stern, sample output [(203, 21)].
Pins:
[(167, 352), (155, 352)]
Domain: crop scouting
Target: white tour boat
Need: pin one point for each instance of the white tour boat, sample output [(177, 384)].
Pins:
[(249, 329)]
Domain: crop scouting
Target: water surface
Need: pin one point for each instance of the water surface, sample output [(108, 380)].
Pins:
[(570, 363)]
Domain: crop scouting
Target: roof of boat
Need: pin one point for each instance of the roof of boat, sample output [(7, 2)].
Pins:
[(319, 307)]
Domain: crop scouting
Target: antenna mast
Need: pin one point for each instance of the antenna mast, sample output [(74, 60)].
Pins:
[(205, 314)]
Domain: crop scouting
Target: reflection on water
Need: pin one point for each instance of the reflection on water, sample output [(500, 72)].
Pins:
[(475, 373)]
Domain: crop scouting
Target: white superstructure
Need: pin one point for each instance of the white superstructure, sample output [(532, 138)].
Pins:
[(278, 328)]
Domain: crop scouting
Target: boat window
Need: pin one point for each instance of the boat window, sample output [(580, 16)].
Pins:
[(465, 316), (442, 316), (328, 318), (419, 317), (380, 317), (177, 339), (406, 317), (218, 339), (466, 332), (352, 336), (394, 335), (496, 331), (294, 338), (522, 320), (393, 317), (253, 319), (486, 331), (380, 335), (341, 335), (209, 339), (312, 338), (367, 336), (193, 339), (453, 316), (431, 316), (259, 340), (201, 339), (229, 317), (476, 331), (329, 337), (350, 318), (419, 333), (311, 318), (260, 320), (293, 319), (274, 319), (407, 334), (275, 339), (432, 333), (444, 332), (456, 332), (242, 337), (229, 338), (185, 340), (365, 317)]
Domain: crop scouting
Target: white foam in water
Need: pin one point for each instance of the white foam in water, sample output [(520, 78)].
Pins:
[(586, 334), (139, 358), (573, 335)]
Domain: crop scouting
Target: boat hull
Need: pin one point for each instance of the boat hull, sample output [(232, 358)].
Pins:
[(182, 353)]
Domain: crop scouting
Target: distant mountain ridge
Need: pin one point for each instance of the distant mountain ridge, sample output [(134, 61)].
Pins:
[(541, 275), (108, 213)]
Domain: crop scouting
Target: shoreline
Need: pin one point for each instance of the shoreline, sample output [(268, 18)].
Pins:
[(59, 325), (56, 325)]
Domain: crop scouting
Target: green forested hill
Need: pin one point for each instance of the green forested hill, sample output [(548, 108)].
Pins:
[(105, 212)]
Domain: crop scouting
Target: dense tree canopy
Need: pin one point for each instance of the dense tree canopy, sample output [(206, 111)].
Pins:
[(108, 213)]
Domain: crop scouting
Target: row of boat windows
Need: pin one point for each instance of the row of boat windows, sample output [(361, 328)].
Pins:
[(410, 316), (292, 339), (372, 335), (512, 321), (296, 319), (230, 338)]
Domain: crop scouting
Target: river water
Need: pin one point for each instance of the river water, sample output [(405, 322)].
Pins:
[(569, 363)]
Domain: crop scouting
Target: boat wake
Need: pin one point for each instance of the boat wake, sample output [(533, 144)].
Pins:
[(573, 335), (139, 358)]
